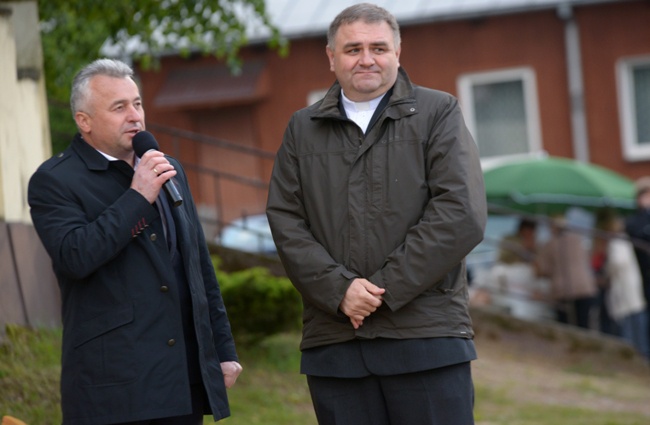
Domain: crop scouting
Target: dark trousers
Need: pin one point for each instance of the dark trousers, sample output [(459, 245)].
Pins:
[(195, 418), (577, 312), (443, 396)]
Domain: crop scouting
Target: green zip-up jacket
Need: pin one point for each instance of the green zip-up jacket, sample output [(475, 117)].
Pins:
[(401, 205)]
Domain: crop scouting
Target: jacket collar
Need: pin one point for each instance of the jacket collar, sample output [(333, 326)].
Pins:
[(402, 92), (89, 155), (93, 159)]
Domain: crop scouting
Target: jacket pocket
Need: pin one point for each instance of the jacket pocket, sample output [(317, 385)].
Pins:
[(399, 178), (104, 349)]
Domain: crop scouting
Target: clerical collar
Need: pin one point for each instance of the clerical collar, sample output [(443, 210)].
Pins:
[(360, 112), (351, 106)]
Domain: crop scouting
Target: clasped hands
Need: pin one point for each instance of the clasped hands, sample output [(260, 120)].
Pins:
[(361, 299)]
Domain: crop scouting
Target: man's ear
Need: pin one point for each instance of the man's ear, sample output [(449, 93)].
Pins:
[(83, 121), (330, 55)]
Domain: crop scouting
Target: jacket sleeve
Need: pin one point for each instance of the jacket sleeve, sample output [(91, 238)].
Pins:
[(312, 270), (453, 220), (78, 242)]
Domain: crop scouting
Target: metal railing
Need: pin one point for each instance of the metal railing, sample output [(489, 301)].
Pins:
[(209, 194)]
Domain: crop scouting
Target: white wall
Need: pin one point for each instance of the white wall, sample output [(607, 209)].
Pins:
[(28, 291), (24, 126)]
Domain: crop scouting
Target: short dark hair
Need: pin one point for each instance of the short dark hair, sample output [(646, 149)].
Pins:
[(366, 12), (527, 223)]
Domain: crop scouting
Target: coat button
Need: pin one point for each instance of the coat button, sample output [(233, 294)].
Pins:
[(171, 342), (164, 288), (153, 237)]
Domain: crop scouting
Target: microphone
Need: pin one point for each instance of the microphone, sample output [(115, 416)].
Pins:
[(144, 141)]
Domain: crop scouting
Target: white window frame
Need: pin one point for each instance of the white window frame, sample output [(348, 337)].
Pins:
[(632, 150), (465, 84)]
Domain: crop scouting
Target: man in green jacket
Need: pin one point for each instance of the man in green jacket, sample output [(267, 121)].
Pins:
[(376, 197)]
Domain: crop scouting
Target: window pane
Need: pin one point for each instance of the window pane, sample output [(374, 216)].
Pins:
[(500, 115), (641, 75)]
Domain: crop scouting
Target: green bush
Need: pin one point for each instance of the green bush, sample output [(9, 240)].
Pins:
[(259, 304)]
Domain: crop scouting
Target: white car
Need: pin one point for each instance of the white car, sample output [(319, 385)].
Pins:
[(249, 234)]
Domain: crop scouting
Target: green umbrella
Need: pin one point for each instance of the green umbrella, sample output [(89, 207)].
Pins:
[(549, 185)]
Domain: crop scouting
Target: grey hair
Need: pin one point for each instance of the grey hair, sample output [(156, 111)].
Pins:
[(366, 12), (107, 67)]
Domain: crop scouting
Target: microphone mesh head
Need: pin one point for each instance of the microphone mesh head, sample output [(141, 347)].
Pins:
[(144, 141)]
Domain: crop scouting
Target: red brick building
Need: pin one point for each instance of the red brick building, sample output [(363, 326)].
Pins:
[(571, 78)]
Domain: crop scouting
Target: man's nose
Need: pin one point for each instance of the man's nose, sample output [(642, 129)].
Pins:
[(367, 58), (135, 114)]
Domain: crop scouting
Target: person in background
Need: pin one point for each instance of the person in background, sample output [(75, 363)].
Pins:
[(375, 199), (625, 301), (600, 242), (511, 284), (520, 247), (565, 261), (637, 226), (146, 337)]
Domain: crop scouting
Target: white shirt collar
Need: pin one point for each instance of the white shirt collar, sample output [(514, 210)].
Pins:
[(360, 112), (370, 105), (112, 158)]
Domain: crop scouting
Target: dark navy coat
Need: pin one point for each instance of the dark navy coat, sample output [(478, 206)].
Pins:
[(123, 355)]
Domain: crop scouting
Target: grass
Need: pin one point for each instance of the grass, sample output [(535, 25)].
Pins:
[(29, 375), (272, 392), (271, 389), (495, 407)]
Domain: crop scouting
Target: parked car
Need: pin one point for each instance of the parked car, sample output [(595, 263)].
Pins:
[(486, 253), (253, 234), (249, 234)]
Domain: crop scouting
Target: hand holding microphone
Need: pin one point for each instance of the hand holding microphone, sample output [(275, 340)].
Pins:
[(144, 142)]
